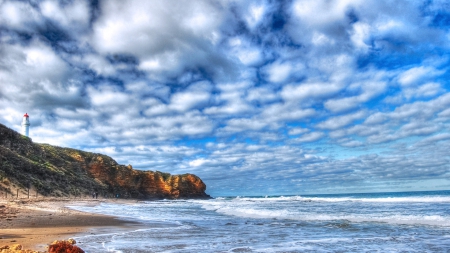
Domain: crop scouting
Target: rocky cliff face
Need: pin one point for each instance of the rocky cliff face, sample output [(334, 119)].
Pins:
[(56, 171)]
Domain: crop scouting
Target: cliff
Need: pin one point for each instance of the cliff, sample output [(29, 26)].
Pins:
[(55, 171)]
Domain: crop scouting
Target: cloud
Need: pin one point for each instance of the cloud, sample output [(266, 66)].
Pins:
[(280, 112), (166, 40), (262, 94), (361, 36), (247, 53), (197, 95), (19, 15), (416, 74), (239, 125), (108, 98), (298, 130), (256, 97), (309, 90), (310, 137), (36, 62), (231, 100), (279, 72), (426, 90), (74, 14), (99, 64), (341, 121), (369, 91), (255, 14)]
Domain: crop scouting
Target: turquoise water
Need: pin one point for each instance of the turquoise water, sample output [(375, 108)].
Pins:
[(369, 222)]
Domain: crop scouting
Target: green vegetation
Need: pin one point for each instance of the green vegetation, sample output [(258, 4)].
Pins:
[(50, 170), (25, 137), (164, 175)]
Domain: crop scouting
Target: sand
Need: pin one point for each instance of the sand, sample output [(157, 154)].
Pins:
[(36, 223)]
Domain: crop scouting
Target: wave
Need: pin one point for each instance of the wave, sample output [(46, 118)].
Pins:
[(415, 199), (411, 199), (434, 220), (411, 210)]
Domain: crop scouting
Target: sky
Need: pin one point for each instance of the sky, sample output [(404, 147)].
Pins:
[(254, 97)]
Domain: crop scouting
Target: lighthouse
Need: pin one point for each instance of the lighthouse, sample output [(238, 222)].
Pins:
[(25, 125)]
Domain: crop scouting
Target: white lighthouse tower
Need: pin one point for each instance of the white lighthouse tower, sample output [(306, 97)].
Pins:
[(25, 125)]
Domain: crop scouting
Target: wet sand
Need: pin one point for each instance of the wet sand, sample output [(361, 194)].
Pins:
[(36, 223)]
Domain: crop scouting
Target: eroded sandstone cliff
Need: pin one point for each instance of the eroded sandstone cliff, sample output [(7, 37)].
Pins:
[(57, 171)]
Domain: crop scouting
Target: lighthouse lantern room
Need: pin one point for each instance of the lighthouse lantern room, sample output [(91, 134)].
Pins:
[(26, 125)]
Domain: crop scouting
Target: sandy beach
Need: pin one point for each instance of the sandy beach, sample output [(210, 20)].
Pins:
[(36, 223)]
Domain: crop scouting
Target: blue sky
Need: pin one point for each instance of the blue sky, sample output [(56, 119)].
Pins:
[(255, 97)]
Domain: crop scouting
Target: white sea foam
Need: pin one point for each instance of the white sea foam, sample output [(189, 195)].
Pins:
[(394, 210), (435, 220), (380, 200), (412, 199)]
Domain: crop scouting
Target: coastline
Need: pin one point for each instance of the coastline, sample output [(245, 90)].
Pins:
[(35, 223)]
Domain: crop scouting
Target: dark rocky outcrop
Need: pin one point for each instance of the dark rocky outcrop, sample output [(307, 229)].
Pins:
[(57, 171)]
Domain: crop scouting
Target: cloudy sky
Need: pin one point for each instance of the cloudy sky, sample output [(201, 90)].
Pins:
[(255, 97)]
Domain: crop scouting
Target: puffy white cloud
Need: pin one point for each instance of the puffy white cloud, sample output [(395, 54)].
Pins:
[(230, 108), (310, 137), (166, 36), (361, 36), (231, 90), (417, 74), (435, 138), (321, 14), (107, 97), (298, 130), (136, 27), (74, 15), (247, 53), (369, 91), (99, 64), (286, 112), (376, 118), (261, 94), (255, 14), (197, 95), (239, 125), (310, 90), (351, 143), (231, 100), (19, 15), (279, 72), (341, 121), (33, 63), (184, 101), (426, 90)]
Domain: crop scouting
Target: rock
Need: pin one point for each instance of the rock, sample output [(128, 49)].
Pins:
[(15, 247), (72, 241), (64, 246)]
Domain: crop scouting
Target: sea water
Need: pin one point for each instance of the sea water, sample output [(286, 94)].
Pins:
[(371, 222)]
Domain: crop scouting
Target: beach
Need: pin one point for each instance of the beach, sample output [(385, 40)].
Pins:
[(35, 223)]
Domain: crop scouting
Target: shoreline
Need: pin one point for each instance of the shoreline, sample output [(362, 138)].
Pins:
[(35, 223)]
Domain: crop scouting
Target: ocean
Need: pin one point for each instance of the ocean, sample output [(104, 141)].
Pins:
[(369, 222)]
